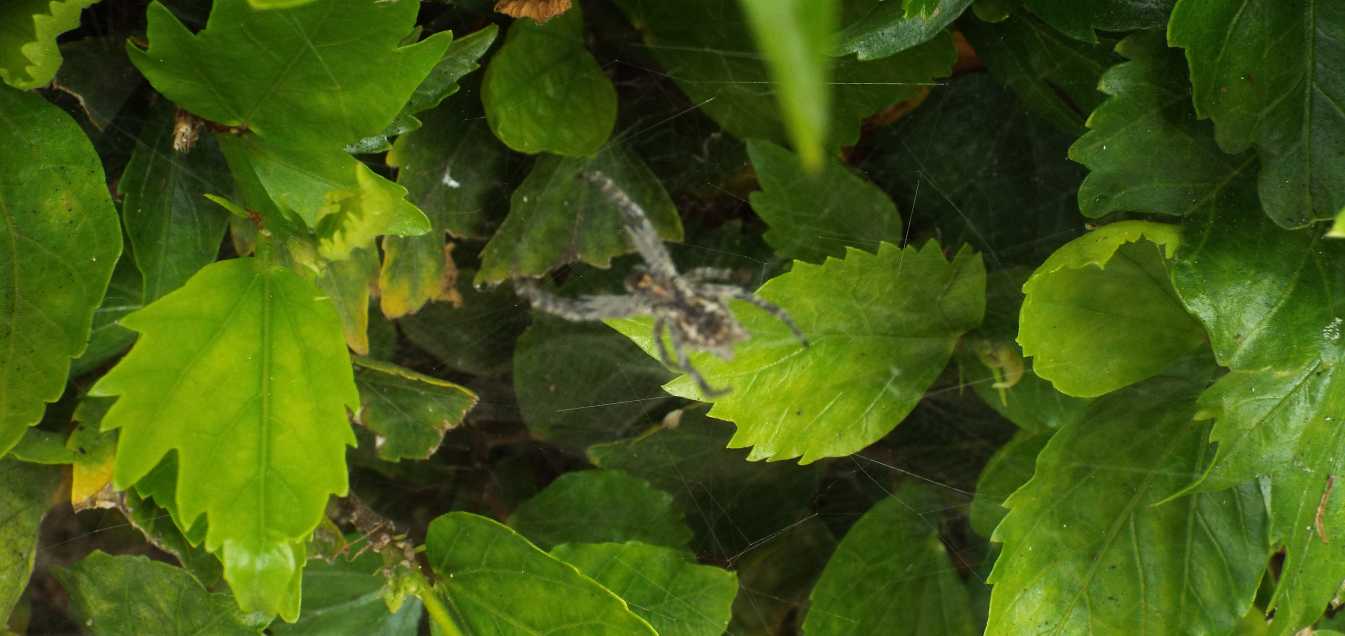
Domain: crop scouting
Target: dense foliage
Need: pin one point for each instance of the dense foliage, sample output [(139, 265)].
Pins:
[(1066, 269)]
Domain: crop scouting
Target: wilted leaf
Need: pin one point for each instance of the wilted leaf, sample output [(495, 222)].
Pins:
[(494, 581), (409, 411), (1266, 72), (1008, 469), (29, 56), (895, 545), (1101, 313), (812, 217), (544, 92), (257, 338), (346, 598), (601, 506), (664, 586), (30, 490), (59, 241), (880, 28), (1078, 18), (538, 10), (1087, 546), (881, 328)]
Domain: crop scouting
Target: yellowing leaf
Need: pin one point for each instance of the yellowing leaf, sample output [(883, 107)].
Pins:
[(243, 372)]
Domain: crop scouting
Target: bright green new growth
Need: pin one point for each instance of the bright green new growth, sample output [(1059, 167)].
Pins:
[(29, 56), (59, 241), (243, 372), (880, 327)]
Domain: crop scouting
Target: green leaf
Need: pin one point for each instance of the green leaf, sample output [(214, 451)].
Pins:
[(94, 454), (99, 75), (409, 411), (108, 339), (600, 506), (59, 241), (732, 504), (776, 576), (161, 531), (257, 338), (812, 217), (795, 37), (174, 229), (895, 544), (1055, 76), (1145, 148), (29, 56), (321, 75), (29, 492), (134, 595), (1088, 547), (544, 92), (881, 327), (556, 218), (1008, 469), (662, 585), (346, 598), (703, 46), (42, 447), (347, 284), (477, 337), (1078, 18), (1264, 71), (581, 384), (880, 28), (1104, 303), (491, 580)]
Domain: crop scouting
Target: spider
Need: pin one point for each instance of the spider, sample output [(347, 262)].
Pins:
[(691, 308)]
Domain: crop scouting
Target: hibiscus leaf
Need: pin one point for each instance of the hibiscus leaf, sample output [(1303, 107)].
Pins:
[(134, 595), (258, 337), (409, 411), (29, 492), (1078, 18), (600, 506), (345, 597), (29, 57), (880, 28)]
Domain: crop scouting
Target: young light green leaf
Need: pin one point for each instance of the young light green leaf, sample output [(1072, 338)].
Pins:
[(795, 37), (600, 506), (97, 72), (544, 92), (555, 218), (1104, 303), (1008, 469), (703, 47), (345, 597), (1055, 76), (322, 75), (491, 580), (1145, 149), (174, 229), (1264, 71), (29, 56), (59, 240), (29, 492), (880, 28), (477, 337), (812, 217), (127, 595), (1078, 18), (664, 586), (731, 503), (1088, 547), (347, 283), (257, 337), (896, 543), (892, 318), (409, 411)]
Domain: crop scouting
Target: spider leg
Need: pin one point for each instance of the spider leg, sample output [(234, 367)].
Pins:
[(685, 365), (775, 310), (641, 231), (707, 274), (582, 309)]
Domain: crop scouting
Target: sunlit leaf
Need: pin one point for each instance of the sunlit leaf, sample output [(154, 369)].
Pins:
[(895, 542), (29, 492), (601, 506), (1087, 547), (544, 92), (29, 56), (1008, 469), (59, 240), (879, 28), (812, 217), (664, 586), (134, 595), (1265, 72), (556, 218), (409, 411), (259, 341), (881, 328), (1078, 18), (1145, 149), (346, 598), (1101, 313), (491, 580)]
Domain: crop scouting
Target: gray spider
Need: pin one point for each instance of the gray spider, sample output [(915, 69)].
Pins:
[(691, 308)]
